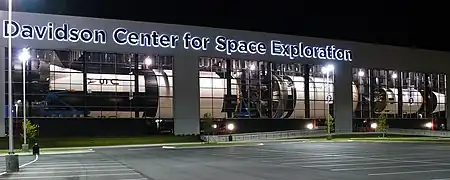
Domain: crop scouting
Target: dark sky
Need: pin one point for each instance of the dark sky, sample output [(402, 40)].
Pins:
[(406, 23)]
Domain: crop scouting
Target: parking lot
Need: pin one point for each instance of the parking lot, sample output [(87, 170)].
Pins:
[(281, 160), (300, 160), (22, 160), (75, 167)]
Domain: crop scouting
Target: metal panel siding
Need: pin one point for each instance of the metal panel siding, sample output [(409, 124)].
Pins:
[(364, 55)]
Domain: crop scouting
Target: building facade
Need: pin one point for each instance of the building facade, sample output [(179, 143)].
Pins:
[(89, 76)]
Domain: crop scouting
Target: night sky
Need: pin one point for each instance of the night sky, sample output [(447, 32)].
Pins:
[(416, 24)]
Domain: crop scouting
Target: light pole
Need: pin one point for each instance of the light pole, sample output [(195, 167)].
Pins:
[(12, 160), (24, 56), (326, 70)]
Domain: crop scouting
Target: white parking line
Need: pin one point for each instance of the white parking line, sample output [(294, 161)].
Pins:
[(31, 162), (277, 159), (410, 156), (231, 156), (253, 154), (386, 167), (290, 158), (397, 155), (393, 154), (75, 165), (143, 149), (72, 176), (262, 156), (58, 162), (405, 160), (294, 152), (378, 153), (408, 172), (90, 167), (284, 157), (74, 162), (268, 156), (353, 164), (355, 159), (72, 171)]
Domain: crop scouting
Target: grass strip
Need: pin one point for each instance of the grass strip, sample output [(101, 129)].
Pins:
[(101, 141), (46, 150)]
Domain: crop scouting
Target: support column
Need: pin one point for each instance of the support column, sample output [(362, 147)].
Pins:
[(306, 71), (2, 92), (399, 83), (228, 77), (136, 94), (372, 87), (426, 93), (186, 95), (343, 101), (85, 92), (447, 99), (269, 69)]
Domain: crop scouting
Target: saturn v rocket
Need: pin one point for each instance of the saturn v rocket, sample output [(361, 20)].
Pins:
[(253, 94), (283, 96)]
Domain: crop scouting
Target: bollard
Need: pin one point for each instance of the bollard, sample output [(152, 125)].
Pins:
[(12, 163)]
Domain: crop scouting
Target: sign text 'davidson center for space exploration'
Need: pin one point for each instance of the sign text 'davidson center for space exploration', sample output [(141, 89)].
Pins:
[(187, 40)]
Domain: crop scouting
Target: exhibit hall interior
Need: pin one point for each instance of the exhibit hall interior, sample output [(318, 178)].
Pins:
[(407, 99), (114, 81)]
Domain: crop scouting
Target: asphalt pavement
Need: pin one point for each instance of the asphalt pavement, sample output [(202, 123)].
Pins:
[(22, 160), (75, 167), (272, 161)]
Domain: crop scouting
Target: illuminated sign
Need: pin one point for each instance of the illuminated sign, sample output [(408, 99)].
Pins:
[(50, 32), (188, 41)]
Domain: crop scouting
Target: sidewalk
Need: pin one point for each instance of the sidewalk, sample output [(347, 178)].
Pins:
[(51, 152), (88, 149), (134, 145)]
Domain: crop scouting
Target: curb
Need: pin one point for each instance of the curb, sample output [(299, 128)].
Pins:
[(53, 152), (23, 165), (372, 141), (134, 145), (400, 141), (218, 146), (92, 148)]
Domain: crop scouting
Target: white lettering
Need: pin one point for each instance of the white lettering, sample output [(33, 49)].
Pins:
[(300, 50), (230, 46), (122, 36), (50, 32), (195, 42)]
